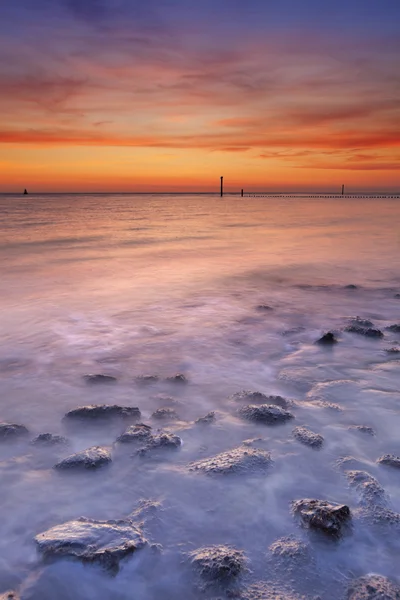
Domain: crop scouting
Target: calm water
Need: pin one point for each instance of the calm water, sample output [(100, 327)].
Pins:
[(130, 285)]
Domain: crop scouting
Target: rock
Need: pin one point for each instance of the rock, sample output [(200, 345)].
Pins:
[(324, 516), (136, 433), (268, 591), (146, 379), (105, 542), (393, 350), (239, 460), (165, 413), (259, 398), (293, 330), (291, 553), (396, 296), (162, 440), (265, 413), (308, 437), (394, 328), (49, 439), (207, 420), (351, 286), (390, 460), (373, 587), (9, 596), (362, 429), (365, 331), (218, 563), (106, 411), (360, 322), (99, 378), (328, 339), (92, 458), (10, 431), (371, 492), (178, 378), (263, 307)]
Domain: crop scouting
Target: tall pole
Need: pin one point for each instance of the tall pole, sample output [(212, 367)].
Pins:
[(242, 193), (343, 190), (222, 186)]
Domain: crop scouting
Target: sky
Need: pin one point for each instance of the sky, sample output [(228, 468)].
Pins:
[(168, 95)]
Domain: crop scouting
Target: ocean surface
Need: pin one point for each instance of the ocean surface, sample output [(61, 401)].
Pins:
[(158, 285)]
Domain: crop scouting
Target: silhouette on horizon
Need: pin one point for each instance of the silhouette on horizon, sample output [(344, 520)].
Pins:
[(25, 192)]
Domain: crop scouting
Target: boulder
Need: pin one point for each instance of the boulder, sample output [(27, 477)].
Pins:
[(161, 441), (136, 433), (259, 398), (321, 515), (394, 328), (351, 286), (360, 322), (49, 439), (207, 419), (9, 431), (373, 587), (165, 414), (390, 460), (242, 460), (218, 563), (106, 411), (92, 458), (362, 429), (369, 332), (328, 339), (371, 492), (178, 378), (99, 378), (394, 350), (266, 414), (308, 437)]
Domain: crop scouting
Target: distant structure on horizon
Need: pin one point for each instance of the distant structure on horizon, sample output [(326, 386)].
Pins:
[(25, 192), (222, 186), (343, 190)]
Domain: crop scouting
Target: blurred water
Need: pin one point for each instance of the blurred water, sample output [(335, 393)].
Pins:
[(130, 285)]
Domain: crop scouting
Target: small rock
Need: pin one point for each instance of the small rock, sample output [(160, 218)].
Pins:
[(360, 322), (218, 563), (328, 339), (308, 437), (9, 596), (373, 587), (362, 429), (92, 458), (259, 398), (394, 328), (10, 431), (393, 350), (325, 516), (371, 492), (136, 433), (105, 542), (49, 439), (238, 460), (365, 331), (164, 414), (390, 460), (146, 379), (107, 411), (178, 378), (396, 296), (265, 413), (351, 286), (162, 440), (99, 378), (207, 420), (291, 550), (263, 307)]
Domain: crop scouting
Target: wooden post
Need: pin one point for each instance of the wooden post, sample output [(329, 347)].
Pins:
[(222, 186), (242, 194), (343, 190)]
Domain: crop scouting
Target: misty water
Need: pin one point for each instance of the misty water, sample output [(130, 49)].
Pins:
[(159, 285)]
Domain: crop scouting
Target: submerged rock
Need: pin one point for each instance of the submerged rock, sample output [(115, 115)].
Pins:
[(371, 492), (351, 286), (265, 413), (49, 439), (259, 398), (106, 411), (218, 563), (308, 437), (324, 516), (362, 429), (390, 460), (207, 420), (360, 322), (160, 441), (146, 379), (10, 431), (373, 587), (99, 378), (263, 307), (365, 331), (92, 458), (178, 378), (328, 339), (105, 542), (394, 328), (165, 413), (136, 433), (394, 350), (238, 460)]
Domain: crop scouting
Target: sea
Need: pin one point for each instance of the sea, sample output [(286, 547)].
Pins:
[(232, 293)]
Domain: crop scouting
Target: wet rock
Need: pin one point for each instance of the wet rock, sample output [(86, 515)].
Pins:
[(360, 322), (9, 431), (394, 328), (239, 460), (259, 398), (49, 439), (370, 490), (207, 420), (268, 591), (393, 350), (390, 460), (373, 587), (9, 596), (362, 429), (265, 413), (351, 286), (365, 331), (99, 378), (291, 549), (107, 411), (396, 296), (178, 378), (293, 330), (92, 458), (161, 441), (325, 516), (104, 542), (136, 433), (263, 307), (218, 563), (146, 379), (328, 339), (308, 437), (165, 414)]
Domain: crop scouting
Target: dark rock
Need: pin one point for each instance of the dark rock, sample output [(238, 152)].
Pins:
[(104, 542), (265, 413), (393, 350), (107, 411), (351, 286), (324, 516), (394, 328), (9, 596), (10, 431), (238, 460), (161, 441), (396, 296), (390, 460), (136, 433), (178, 378), (146, 379), (328, 339), (259, 398), (371, 492), (49, 439), (92, 458), (308, 437), (360, 322), (218, 563), (373, 587), (362, 429), (165, 414), (99, 378), (365, 331), (263, 307), (207, 420), (291, 552)]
